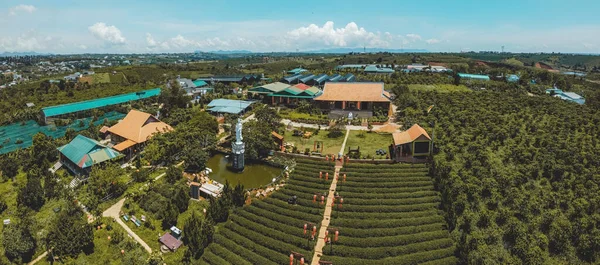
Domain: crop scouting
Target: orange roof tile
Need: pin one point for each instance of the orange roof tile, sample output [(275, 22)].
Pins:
[(139, 126), (413, 133), (363, 92), (124, 145), (302, 86), (276, 135)]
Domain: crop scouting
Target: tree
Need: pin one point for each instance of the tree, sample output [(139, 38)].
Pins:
[(32, 194), (208, 231), (257, 136), (238, 195), (218, 210), (193, 236), (181, 197), (267, 117), (170, 216), (9, 166), (43, 150), (195, 159), (70, 234), (19, 244), (51, 186), (173, 174), (140, 174)]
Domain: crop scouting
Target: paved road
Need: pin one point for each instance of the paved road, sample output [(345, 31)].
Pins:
[(327, 214), (113, 212)]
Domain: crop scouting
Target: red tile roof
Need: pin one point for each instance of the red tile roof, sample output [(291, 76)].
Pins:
[(415, 132)]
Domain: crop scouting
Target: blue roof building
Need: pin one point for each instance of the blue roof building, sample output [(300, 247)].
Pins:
[(348, 78), (306, 78), (291, 79), (335, 78), (319, 80), (81, 153), (476, 77)]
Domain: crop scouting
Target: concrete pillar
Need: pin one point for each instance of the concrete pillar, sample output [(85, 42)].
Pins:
[(343, 105), (272, 100), (358, 105)]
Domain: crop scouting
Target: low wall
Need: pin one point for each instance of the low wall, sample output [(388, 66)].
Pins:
[(362, 161)]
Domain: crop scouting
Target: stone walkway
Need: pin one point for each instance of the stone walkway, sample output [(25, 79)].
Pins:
[(327, 214), (113, 212)]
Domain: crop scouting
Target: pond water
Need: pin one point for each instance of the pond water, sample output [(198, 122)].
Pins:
[(254, 175)]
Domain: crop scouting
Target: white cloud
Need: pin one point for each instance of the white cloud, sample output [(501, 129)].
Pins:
[(413, 37), (150, 41), (349, 36), (21, 8), (109, 34), (432, 41), (83, 47)]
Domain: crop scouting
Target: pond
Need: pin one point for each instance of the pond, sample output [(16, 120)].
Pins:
[(254, 175)]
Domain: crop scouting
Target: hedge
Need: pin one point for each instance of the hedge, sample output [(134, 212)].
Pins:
[(296, 208), (290, 213), (248, 254), (313, 179), (313, 162), (388, 223), (385, 190), (399, 165), (306, 184), (388, 208), (294, 233), (281, 249), (415, 258), (378, 178), (305, 189), (444, 261), (288, 235), (373, 195), (300, 201), (383, 216), (390, 241), (383, 252), (403, 230), (266, 214), (213, 259), (268, 256), (389, 185), (226, 254), (378, 172), (402, 201)]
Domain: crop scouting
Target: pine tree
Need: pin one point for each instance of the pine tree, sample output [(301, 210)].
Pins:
[(32, 194), (192, 235)]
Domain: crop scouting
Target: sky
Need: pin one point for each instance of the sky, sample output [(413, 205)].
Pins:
[(149, 26)]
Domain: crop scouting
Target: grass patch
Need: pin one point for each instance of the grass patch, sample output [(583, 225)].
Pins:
[(330, 145), (444, 88), (101, 78), (368, 142)]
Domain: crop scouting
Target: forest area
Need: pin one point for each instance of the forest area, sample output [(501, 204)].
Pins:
[(518, 175)]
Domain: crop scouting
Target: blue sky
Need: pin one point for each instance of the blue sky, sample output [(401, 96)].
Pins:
[(268, 25)]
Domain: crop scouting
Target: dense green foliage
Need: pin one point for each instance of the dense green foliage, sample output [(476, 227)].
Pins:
[(70, 234), (518, 176)]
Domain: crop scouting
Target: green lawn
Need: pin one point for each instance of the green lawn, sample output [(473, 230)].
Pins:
[(330, 145), (101, 78), (368, 142)]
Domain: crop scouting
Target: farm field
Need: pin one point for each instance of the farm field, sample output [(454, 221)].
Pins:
[(389, 216), (266, 231)]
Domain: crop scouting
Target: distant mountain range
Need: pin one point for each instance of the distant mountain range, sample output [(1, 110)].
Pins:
[(8, 54), (369, 50), (227, 52)]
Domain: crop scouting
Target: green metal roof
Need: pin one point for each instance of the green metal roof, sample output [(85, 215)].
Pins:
[(294, 92), (199, 83), (228, 105), (85, 152), (472, 76), (269, 88), (98, 103)]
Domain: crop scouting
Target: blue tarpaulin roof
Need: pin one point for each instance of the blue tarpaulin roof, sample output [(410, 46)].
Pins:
[(228, 105), (98, 103)]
